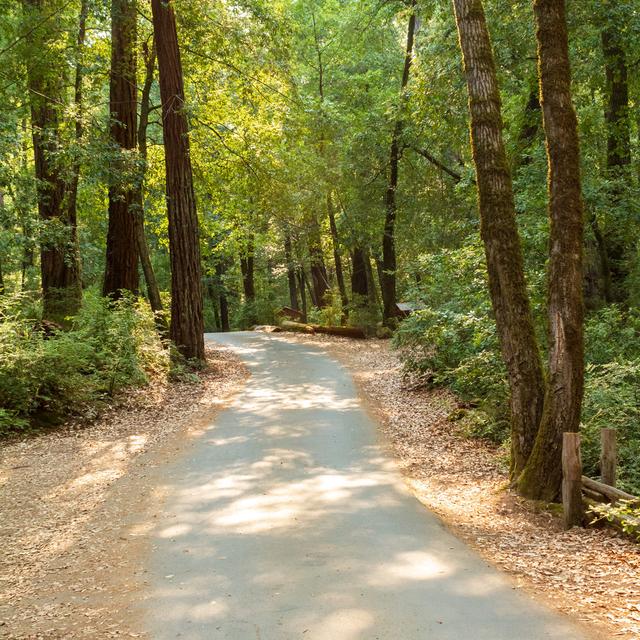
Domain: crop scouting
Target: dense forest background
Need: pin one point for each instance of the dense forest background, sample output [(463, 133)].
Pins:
[(332, 173)]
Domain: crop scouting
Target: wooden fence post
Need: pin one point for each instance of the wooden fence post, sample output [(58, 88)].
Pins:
[(608, 457), (572, 480)]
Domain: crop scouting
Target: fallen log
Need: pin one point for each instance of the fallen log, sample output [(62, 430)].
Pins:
[(296, 327), (347, 332), (610, 492)]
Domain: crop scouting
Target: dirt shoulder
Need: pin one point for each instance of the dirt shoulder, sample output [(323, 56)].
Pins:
[(76, 506), (592, 575)]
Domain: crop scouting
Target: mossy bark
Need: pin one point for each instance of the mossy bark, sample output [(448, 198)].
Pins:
[(59, 251), (542, 476), (187, 320), (499, 233), (121, 265)]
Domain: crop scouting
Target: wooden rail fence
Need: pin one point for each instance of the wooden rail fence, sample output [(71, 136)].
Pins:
[(579, 491)]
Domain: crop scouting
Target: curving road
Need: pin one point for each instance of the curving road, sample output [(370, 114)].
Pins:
[(286, 519)]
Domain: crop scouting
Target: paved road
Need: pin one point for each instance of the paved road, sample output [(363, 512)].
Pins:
[(288, 520)]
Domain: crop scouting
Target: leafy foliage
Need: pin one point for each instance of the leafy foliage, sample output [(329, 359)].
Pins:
[(47, 373)]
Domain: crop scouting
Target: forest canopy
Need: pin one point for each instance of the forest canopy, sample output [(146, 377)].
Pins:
[(168, 169)]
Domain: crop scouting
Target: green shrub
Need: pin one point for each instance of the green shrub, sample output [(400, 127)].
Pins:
[(612, 400), (48, 375)]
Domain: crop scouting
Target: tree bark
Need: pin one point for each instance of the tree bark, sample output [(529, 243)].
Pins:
[(59, 256), (121, 266), (359, 284), (303, 293), (389, 263), (187, 322), (317, 266), (222, 297), (499, 233), (542, 476), (291, 272), (336, 256), (247, 262)]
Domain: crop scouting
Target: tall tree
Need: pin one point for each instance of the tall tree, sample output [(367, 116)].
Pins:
[(187, 320), (121, 267), (499, 233), (153, 291), (59, 252), (542, 476), (389, 261)]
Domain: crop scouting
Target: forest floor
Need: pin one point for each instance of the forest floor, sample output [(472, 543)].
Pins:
[(73, 549), (591, 574), (72, 500)]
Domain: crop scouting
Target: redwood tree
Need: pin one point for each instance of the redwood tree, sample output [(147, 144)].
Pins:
[(388, 271), (187, 322), (499, 233), (59, 252), (542, 476), (121, 267)]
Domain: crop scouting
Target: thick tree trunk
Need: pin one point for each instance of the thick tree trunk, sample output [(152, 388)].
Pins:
[(187, 322), (59, 257), (121, 266), (337, 257), (542, 476), (618, 157), (499, 233), (389, 264), (291, 272)]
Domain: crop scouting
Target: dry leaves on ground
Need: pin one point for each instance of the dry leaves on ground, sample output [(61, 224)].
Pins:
[(71, 558), (591, 574)]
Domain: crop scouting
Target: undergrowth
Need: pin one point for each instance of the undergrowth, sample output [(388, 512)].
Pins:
[(48, 373), (454, 343)]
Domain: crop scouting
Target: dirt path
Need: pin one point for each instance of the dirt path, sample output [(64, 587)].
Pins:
[(287, 519)]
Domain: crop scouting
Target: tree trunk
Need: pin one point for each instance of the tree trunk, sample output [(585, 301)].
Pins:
[(187, 322), (291, 272), (618, 156), (72, 190), (336, 256), (388, 274), (222, 297), (303, 293), (59, 257), (153, 291), (499, 233), (317, 266), (247, 263), (542, 476), (359, 284), (121, 266)]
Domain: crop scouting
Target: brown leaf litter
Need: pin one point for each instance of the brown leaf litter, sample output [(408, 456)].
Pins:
[(593, 575), (70, 505)]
